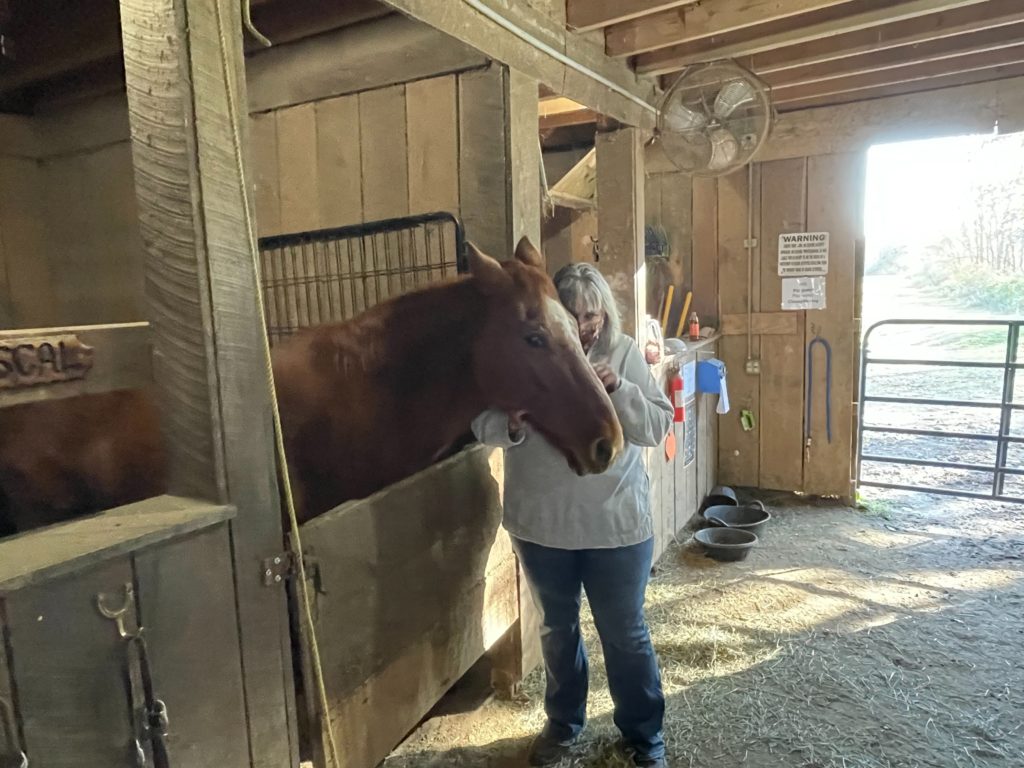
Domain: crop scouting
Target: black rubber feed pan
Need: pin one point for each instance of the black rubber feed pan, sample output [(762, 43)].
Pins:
[(749, 517), (726, 544), (720, 494)]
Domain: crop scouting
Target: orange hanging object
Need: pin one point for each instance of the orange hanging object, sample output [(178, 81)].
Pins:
[(670, 445), (694, 327)]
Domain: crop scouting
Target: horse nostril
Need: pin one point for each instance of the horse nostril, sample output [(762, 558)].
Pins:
[(603, 451)]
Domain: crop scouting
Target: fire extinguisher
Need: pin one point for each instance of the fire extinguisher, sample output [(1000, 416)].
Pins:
[(676, 388)]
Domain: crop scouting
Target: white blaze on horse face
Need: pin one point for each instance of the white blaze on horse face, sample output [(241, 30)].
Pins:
[(561, 324)]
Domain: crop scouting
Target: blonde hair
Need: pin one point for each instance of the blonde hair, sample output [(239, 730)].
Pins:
[(582, 287)]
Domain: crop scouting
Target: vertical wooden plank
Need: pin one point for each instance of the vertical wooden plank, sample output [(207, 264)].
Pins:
[(385, 174), (69, 665), (784, 206), (432, 126), (738, 452), (705, 250), (186, 603), (339, 162), (835, 195), (384, 153), (210, 366), (620, 189), (27, 269), (483, 160), (524, 157), (433, 129), (265, 173), (297, 168)]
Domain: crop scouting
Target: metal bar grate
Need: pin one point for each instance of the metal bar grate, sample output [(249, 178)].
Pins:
[(331, 275)]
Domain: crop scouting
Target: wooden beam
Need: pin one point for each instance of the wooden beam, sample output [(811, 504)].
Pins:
[(387, 52), (922, 29), (557, 105), (187, 104), (463, 22), (564, 119), (706, 19), (584, 15), (909, 73), (792, 31), (761, 323), (620, 195), (1002, 72), (943, 48), (893, 117)]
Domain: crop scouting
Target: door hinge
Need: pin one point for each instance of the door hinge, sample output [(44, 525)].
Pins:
[(278, 568)]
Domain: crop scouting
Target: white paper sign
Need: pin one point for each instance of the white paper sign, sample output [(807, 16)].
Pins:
[(803, 293), (803, 254)]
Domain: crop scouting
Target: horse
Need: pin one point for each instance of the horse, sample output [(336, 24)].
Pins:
[(364, 403)]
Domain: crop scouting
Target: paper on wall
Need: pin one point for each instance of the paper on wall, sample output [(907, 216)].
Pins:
[(803, 293)]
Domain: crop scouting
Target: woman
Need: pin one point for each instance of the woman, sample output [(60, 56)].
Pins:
[(593, 532)]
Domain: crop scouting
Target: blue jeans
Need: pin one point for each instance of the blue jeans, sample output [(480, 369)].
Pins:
[(615, 580)]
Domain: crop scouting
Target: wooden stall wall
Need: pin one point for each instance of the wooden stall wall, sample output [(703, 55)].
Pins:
[(803, 194), (68, 227)]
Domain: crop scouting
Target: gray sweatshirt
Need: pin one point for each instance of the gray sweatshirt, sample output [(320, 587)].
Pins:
[(546, 503)]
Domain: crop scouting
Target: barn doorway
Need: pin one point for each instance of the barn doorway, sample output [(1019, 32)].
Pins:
[(942, 399)]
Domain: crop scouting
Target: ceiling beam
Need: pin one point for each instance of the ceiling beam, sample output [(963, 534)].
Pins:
[(922, 29), (556, 105), (563, 119), (910, 73), (780, 33), (913, 87), (584, 15), (709, 18), (948, 49)]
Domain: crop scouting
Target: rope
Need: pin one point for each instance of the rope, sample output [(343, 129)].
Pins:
[(810, 388), (296, 540)]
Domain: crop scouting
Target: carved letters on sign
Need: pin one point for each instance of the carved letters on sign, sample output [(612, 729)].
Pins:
[(43, 360)]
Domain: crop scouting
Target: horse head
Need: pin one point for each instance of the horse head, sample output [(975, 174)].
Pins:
[(528, 359)]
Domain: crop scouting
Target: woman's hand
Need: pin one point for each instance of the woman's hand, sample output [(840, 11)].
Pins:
[(608, 377)]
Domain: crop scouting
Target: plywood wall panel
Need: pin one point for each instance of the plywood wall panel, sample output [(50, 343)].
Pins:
[(382, 121)]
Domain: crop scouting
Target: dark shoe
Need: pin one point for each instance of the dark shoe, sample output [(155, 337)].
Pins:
[(641, 760), (546, 750)]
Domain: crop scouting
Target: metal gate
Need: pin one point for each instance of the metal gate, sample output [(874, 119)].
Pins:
[(960, 430), (330, 275)]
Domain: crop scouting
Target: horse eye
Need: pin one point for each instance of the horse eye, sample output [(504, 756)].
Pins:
[(537, 340)]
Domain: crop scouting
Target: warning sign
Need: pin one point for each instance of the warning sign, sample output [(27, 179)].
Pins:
[(803, 254)]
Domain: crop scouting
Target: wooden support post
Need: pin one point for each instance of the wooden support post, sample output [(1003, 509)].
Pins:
[(518, 652), (620, 222), (201, 282)]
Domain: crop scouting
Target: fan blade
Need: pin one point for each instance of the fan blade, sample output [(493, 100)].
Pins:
[(724, 149), (689, 152), (682, 119), (734, 94)]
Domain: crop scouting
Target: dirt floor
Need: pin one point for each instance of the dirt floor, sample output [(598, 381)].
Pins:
[(892, 636)]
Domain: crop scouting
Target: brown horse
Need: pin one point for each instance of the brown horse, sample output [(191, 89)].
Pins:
[(363, 403)]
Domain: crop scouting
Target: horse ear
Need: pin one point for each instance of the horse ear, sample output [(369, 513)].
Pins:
[(527, 253), (489, 273)]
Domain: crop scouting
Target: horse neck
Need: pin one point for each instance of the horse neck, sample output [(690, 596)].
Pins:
[(423, 344)]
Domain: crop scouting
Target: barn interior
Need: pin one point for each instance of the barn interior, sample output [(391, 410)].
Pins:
[(876, 622)]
